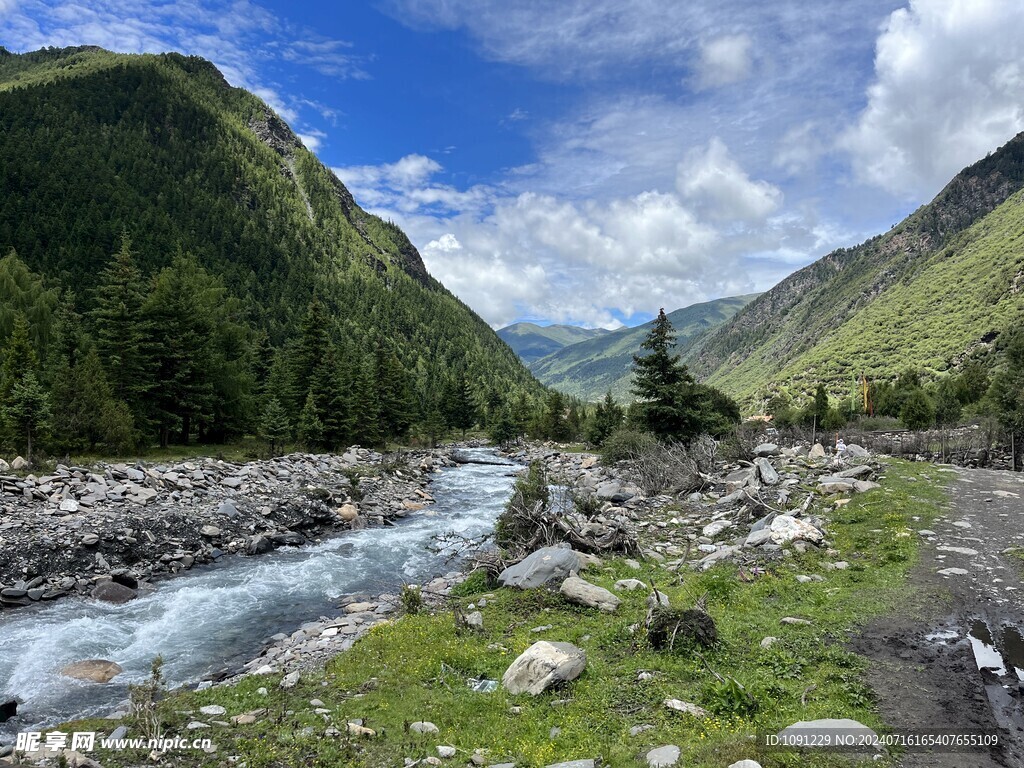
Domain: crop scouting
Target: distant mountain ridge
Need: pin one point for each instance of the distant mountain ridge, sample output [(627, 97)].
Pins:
[(594, 366), (943, 280), (532, 342)]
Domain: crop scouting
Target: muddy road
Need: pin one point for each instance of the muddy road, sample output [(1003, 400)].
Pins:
[(953, 658)]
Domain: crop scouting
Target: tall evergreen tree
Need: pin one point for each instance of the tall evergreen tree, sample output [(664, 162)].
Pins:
[(666, 402), (122, 331), (274, 425), (26, 412), (365, 406), (460, 405), (607, 418), (394, 393), (19, 358)]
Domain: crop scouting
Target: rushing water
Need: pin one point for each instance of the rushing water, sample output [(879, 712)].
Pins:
[(220, 615)]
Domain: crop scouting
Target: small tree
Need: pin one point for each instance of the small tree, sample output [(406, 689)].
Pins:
[(607, 418), (311, 428), (917, 411), (274, 426), (27, 412)]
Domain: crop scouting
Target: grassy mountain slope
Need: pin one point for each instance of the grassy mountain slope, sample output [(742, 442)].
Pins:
[(95, 144), (590, 368), (532, 342), (963, 296), (748, 356)]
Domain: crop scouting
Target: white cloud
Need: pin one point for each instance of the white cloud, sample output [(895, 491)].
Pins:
[(7, 6), (716, 184), (948, 89), (724, 60)]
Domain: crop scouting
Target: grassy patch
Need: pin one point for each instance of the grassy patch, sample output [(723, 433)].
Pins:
[(417, 668)]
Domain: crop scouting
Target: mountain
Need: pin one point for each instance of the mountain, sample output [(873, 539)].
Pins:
[(590, 368), (532, 342), (96, 145), (940, 283)]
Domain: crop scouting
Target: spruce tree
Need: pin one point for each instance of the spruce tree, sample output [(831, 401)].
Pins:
[(394, 393), (333, 400), (274, 425), (461, 407), (19, 359), (607, 418), (666, 402), (311, 428), (365, 406), (122, 331), (26, 413)]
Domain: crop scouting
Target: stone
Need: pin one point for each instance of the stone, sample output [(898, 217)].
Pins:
[(228, 509), (19, 464), (112, 592), (714, 528), (213, 710), (348, 512), (93, 670), (835, 485), (118, 733), (360, 607), (4, 466), (572, 764), (793, 620), (767, 449), (817, 452), (582, 592), (446, 752), (745, 764), (358, 730), (290, 680), (628, 585), (663, 757), (475, 620), (588, 560), (8, 709), (786, 528), (543, 665), (546, 565), (863, 486), (860, 471), (767, 472), (636, 730), (953, 572), (686, 707), (69, 505), (258, 545), (90, 540), (209, 531), (757, 538), (769, 641), (856, 451), (422, 726)]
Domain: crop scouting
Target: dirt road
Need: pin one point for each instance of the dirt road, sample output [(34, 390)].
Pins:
[(953, 659)]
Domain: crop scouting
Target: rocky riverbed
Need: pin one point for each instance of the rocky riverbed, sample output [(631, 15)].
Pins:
[(108, 529)]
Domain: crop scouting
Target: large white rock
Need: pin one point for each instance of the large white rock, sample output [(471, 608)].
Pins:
[(582, 592), (786, 528), (714, 528), (817, 451), (93, 670), (543, 665), (545, 565), (663, 757)]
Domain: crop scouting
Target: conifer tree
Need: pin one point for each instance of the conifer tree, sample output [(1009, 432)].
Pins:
[(19, 359), (394, 393), (461, 407), (365, 406), (607, 418), (26, 412), (86, 414), (274, 425), (666, 402), (333, 400), (122, 331)]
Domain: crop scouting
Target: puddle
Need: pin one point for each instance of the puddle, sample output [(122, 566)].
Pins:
[(1013, 646), (992, 653), (986, 655), (942, 636)]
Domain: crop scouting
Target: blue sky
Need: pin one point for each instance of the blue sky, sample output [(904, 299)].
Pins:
[(589, 161)]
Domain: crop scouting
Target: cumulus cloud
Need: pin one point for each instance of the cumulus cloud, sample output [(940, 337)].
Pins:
[(714, 182), (949, 87), (724, 60)]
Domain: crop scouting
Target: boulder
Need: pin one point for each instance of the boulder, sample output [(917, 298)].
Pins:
[(4, 466), (768, 474), (817, 452), (543, 665), (69, 505), (475, 620), (786, 528), (19, 464), (112, 592), (582, 592), (213, 710), (209, 531), (258, 545), (421, 726), (832, 484), (855, 451), (228, 509), (859, 471), (767, 449), (93, 670), (348, 512), (629, 584), (862, 486), (759, 537), (588, 560), (8, 709), (544, 566), (686, 707), (663, 757)]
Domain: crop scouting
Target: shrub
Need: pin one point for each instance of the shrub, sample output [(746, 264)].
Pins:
[(625, 444)]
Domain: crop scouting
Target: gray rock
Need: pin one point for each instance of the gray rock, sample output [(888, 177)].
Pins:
[(582, 592), (69, 505), (544, 566), (228, 509), (421, 726), (636, 730), (768, 474), (213, 710), (209, 531), (112, 592), (746, 764), (860, 471), (445, 752), (759, 537), (608, 490), (93, 670), (118, 733), (663, 757), (817, 452), (856, 451), (475, 620), (764, 522), (863, 486), (290, 680), (767, 449), (543, 665), (19, 464), (629, 585)]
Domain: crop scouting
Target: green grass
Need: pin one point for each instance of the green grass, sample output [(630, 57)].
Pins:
[(416, 668)]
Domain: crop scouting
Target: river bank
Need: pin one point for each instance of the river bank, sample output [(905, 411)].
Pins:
[(109, 529)]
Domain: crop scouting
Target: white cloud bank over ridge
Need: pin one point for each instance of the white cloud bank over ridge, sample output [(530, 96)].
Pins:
[(949, 87)]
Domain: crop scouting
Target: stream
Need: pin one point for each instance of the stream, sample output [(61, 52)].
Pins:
[(220, 615)]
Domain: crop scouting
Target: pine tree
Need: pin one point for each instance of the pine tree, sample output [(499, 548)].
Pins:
[(502, 430), (307, 354), (607, 418), (333, 400), (461, 407), (365, 407), (85, 412), (20, 357), (274, 425), (26, 412), (122, 331), (311, 428), (666, 403), (1007, 390), (394, 393)]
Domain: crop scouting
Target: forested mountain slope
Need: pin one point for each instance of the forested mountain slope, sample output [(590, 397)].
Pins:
[(797, 333), (590, 368), (95, 146)]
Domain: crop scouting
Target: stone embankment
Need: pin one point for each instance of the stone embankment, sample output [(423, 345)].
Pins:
[(108, 529)]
